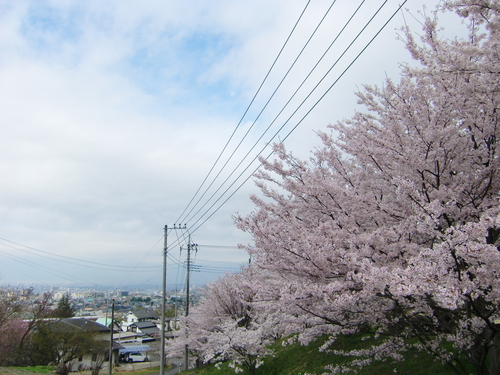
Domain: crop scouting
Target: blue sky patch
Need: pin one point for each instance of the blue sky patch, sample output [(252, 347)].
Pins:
[(47, 29), (183, 62)]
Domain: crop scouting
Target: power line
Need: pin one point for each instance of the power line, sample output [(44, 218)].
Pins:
[(65, 259), (288, 102), (220, 246), (256, 119), (298, 123), (44, 268), (137, 266), (246, 111)]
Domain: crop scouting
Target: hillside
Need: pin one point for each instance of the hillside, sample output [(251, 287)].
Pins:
[(297, 359)]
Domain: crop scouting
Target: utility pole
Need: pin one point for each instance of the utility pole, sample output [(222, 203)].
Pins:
[(188, 272), (164, 296), (190, 247), (110, 371)]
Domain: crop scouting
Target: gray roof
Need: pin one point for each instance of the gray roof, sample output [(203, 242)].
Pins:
[(81, 324), (146, 324), (144, 314)]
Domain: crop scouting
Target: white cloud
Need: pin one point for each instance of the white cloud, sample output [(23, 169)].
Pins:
[(113, 112)]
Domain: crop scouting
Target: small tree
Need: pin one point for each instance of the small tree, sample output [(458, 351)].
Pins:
[(64, 308), (100, 352), (55, 342), (229, 325)]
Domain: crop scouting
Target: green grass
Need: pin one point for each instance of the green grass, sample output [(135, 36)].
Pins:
[(50, 370), (145, 371), (40, 369), (27, 370), (296, 359)]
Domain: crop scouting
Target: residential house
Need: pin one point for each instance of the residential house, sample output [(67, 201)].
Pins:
[(148, 328), (131, 337), (138, 315)]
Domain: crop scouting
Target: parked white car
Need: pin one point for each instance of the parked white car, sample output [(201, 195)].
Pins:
[(136, 357)]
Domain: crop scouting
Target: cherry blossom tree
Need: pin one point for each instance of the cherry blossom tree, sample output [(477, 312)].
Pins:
[(12, 326), (229, 324), (392, 227), (21, 310), (12, 332)]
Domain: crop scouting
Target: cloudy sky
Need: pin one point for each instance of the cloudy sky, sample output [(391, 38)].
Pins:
[(112, 114)]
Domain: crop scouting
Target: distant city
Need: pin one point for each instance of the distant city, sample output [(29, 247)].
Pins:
[(91, 302)]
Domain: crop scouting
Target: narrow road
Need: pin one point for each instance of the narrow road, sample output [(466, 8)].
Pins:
[(176, 366)]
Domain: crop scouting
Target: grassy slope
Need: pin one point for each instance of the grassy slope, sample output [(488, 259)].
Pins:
[(27, 370), (296, 359)]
